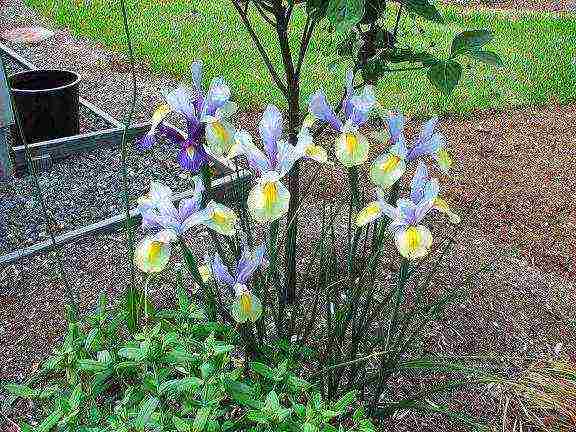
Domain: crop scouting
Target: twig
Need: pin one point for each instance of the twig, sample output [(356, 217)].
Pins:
[(275, 77)]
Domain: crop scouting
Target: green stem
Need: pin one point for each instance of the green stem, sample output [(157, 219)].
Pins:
[(192, 265)]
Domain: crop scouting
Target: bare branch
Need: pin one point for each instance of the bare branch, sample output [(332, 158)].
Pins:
[(275, 77)]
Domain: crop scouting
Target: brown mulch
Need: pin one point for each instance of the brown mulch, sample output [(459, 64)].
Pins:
[(514, 172), (534, 5)]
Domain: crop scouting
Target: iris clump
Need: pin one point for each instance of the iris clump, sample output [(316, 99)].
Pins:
[(268, 199)]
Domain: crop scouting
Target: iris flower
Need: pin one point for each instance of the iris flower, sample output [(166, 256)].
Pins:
[(246, 305), (388, 168), (269, 198), (412, 239), (351, 147), (418, 193), (159, 213), (205, 121)]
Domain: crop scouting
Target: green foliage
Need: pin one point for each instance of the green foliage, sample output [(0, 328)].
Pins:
[(172, 377), (535, 46), (379, 42)]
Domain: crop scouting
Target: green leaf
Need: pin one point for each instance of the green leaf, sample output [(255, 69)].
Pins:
[(92, 341), (272, 401), (297, 383), (317, 8), (345, 401), (258, 417), (487, 57), (201, 419), (445, 75), (345, 14), (182, 425), (50, 421), (22, 391), (425, 9), (90, 365), (179, 386), (309, 427), (147, 408), (131, 353), (470, 40), (242, 393), (264, 370)]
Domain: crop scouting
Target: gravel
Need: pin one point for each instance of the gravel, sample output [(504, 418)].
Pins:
[(513, 167)]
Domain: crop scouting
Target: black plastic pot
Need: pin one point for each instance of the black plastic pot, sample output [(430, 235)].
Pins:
[(48, 103)]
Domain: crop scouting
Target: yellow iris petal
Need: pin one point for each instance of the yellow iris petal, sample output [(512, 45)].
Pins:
[(246, 307), (368, 214), (390, 163), (246, 303), (351, 143), (222, 219), (161, 112), (386, 170), (352, 149), (444, 160), (316, 153), (268, 201), (270, 194), (219, 137), (220, 132), (441, 205), (414, 242), (151, 255)]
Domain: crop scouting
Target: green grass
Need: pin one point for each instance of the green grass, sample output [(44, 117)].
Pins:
[(539, 51)]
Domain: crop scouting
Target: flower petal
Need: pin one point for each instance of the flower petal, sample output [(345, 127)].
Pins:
[(442, 206), (191, 205), (428, 147), (246, 307), (270, 131), (218, 95), (147, 141), (352, 149), (181, 101), (152, 255), (220, 137), (192, 157), (419, 182), (268, 200), (221, 272), (320, 109), (369, 213), (387, 169), (174, 136), (196, 73), (395, 126), (413, 242), (249, 262), (362, 105), (221, 219), (443, 159), (243, 144)]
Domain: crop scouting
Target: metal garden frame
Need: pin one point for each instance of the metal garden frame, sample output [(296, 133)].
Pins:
[(60, 148)]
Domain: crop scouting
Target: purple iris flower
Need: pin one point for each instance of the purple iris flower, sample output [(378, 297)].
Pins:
[(246, 306), (207, 130)]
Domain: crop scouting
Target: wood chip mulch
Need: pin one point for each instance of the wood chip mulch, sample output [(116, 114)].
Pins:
[(533, 5)]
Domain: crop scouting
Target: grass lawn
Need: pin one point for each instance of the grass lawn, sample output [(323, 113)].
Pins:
[(539, 50)]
